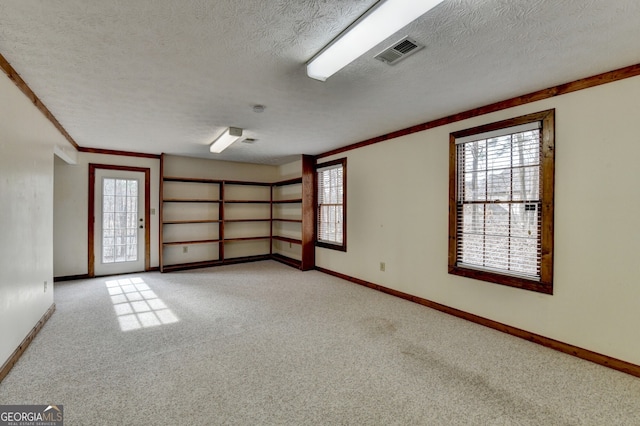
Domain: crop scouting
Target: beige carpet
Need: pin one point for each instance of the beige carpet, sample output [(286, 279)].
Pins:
[(263, 343)]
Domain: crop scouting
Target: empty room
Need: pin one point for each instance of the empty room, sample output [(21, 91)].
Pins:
[(319, 212)]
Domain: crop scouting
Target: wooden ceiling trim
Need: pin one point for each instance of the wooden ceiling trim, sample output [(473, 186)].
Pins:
[(118, 152), (24, 87), (563, 89)]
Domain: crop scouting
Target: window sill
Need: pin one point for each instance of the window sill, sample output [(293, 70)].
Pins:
[(339, 247), (508, 280)]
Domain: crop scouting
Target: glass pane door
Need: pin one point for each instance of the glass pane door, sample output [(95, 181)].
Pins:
[(119, 220)]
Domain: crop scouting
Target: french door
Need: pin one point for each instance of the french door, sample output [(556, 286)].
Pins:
[(118, 241)]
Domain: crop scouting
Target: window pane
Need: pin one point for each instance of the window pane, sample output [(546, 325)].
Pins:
[(109, 187), (108, 204), (132, 252), (330, 201), (496, 252), (524, 256), (107, 221), (121, 204), (108, 254), (499, 185), (107, 241), (120, 255), (121, 220), (132, 188), (526, 183), (526, 148), (498, 153), (121, 187), (132, 204), (499, 208), (498, 219), (472, 251), (131, 220), (472, 218), (525, 220)]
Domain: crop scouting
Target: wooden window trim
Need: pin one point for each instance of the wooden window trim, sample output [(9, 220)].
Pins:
[(324, 244), (545, 285)]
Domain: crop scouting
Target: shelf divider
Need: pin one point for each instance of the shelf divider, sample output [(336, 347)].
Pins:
[(190, 200), (287, 239), (182, 222), (184, 243)]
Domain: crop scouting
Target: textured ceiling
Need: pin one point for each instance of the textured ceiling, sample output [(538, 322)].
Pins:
[(168, 76)]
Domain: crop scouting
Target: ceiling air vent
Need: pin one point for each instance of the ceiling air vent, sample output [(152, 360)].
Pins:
[(249, 140), (400, 50)]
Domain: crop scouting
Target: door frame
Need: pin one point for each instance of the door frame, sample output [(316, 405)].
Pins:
[(92, 218)]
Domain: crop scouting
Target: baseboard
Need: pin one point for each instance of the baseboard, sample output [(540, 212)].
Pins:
[(246, 259), (15, 356), (607, 361), (87, 276), (213, 263), (286, 260), (71, 278)]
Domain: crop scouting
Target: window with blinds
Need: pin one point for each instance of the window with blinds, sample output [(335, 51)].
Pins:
[(331, 229), (502, 202)]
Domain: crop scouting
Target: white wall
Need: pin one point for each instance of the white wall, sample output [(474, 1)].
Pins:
[(27, 141), (290, 170), (71, 203), (398, 214), (214, 169)]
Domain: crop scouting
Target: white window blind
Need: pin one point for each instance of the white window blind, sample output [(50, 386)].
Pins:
[(498, 200), (331, 204)]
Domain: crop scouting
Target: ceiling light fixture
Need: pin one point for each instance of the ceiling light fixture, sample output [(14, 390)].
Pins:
[(229, 136), (381, 21)]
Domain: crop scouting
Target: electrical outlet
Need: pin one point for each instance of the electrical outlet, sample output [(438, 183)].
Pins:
[(153, 211), (382, 266), (45, 286), (185, 249)]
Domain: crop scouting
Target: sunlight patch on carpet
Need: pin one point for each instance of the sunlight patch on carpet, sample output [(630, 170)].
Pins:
[(137, 306)]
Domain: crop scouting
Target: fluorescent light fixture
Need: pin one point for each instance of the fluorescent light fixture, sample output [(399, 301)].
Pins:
[(378, 23), (229, 136)]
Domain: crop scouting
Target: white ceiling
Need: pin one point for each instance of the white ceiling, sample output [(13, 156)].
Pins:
[(168, 76)]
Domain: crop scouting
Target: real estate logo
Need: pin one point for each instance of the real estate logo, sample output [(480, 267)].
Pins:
[(31, 415)]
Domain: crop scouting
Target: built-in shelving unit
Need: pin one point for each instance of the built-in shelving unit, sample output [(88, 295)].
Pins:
[(190, 216), (246, 219), (293, 215), (286, 224), (209, 222)]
